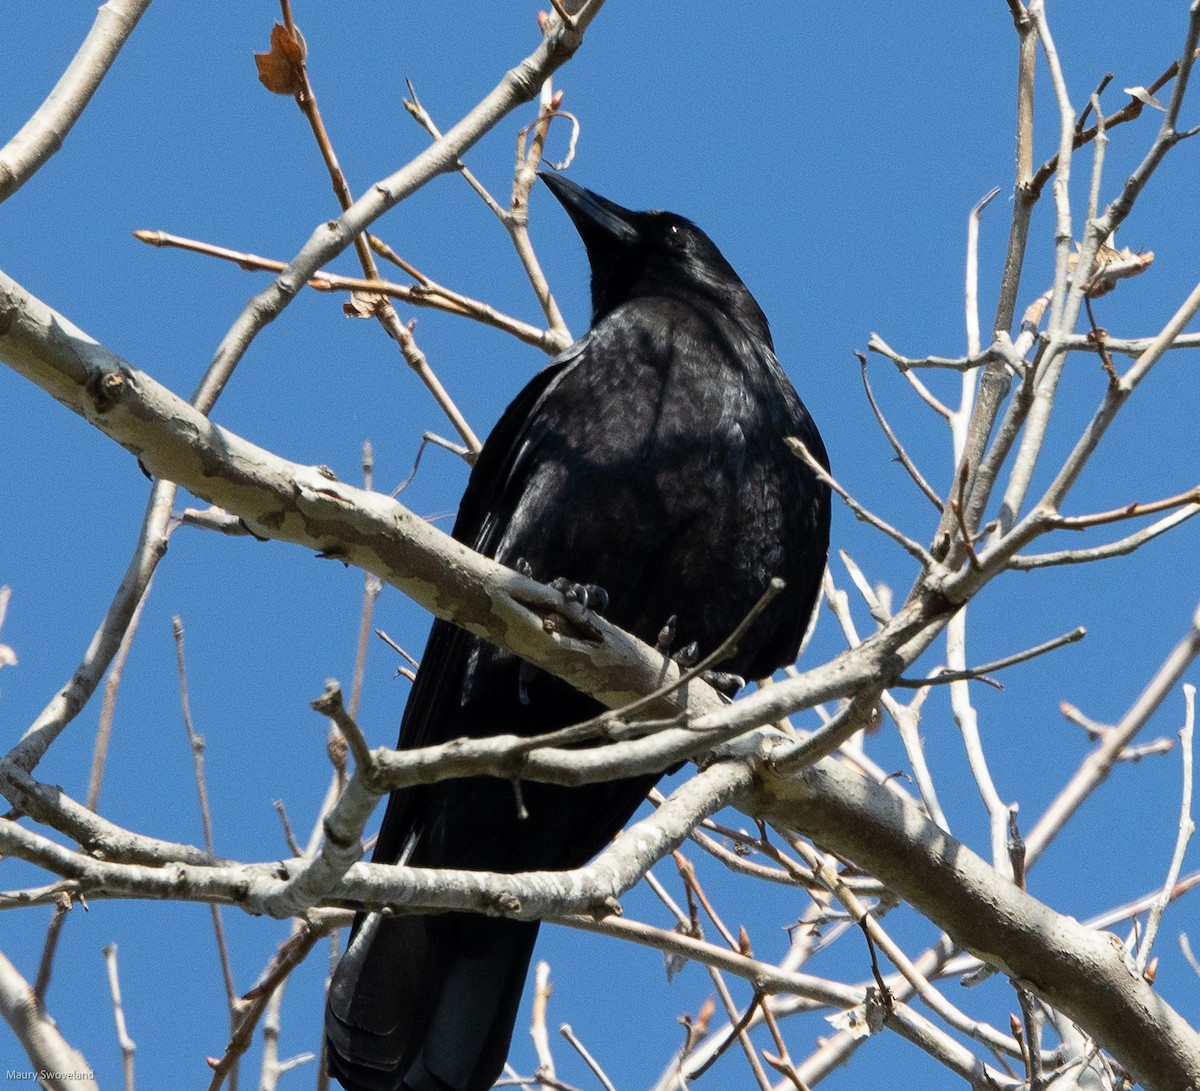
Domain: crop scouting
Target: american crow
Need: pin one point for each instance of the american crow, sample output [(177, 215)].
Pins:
[(649, 461)]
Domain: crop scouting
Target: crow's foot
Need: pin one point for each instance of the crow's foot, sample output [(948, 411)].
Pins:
[(588, 595)]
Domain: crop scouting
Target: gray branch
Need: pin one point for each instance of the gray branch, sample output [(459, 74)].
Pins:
[(1073, 968), (43, 134), (47, 1049), (268, 887)]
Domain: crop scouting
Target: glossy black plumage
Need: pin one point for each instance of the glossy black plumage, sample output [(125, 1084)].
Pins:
[(649, 459)]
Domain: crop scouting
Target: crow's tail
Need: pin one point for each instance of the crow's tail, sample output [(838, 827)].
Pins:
[(426, 1003)]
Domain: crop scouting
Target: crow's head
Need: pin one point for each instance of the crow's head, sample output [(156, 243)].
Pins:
[(638, 254)]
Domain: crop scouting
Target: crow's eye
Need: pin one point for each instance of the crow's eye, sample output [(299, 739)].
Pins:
[(676, 236)]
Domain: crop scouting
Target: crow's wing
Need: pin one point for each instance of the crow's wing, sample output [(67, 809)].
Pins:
[(431, 714)]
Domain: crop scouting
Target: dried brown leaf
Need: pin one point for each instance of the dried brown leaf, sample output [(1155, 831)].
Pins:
[(361, 305), (281, 70)]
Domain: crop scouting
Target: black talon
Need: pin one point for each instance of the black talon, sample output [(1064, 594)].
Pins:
[(666, 635), (588, 595), (524, 567), (572, 592), (687, 655), (724, 683)]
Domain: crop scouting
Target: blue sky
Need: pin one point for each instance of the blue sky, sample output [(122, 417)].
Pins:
[(833, 155)]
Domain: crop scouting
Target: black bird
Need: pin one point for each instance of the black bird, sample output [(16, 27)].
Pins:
[(648, 460)]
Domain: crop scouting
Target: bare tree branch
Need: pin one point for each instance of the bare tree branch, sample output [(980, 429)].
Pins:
[(35, 1030), (519, 85), (1071, 967), (127, 1044), (43, 134), (427, 293)]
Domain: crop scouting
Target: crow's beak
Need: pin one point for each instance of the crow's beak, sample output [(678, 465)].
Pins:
[(592, 215)]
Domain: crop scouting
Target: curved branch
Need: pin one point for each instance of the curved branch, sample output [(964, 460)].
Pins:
[(1075, 969), (263, 887), (43, 134), (46, 1047), (305, 505)]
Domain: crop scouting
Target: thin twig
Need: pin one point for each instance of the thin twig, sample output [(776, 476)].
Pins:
[(1130, 346), (781, 1062), (41, 983), (537, 1025), (737, 1032), (1186, 946), (370, 304), (105, 643), (926, 395), (967, 720), (1187, 827), (981, 672), (938, 1003), (127, 1044), (426, 293), (372, 586), (1093, 101), (971, 289), (823, 475), (514, 218), (1129, 112), (966, 444), (906, 717), (8, 658), (196, 744), (563, 14), (1023, 197), (1061, 319), (408, 672), (517, 218), (692, 886), (737, 863), (303, 936), (687, 872), (904, 457), (958, 502), (1114, 398), (330, 704), (288, 836), (423, 118), (1031, 1012), (272, 1067), (195, 741), (1129, 511), (944, 363), (1097, 765), (112, 686), (878, 598), (1121, 548), (566, 1031), (969, 363)]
